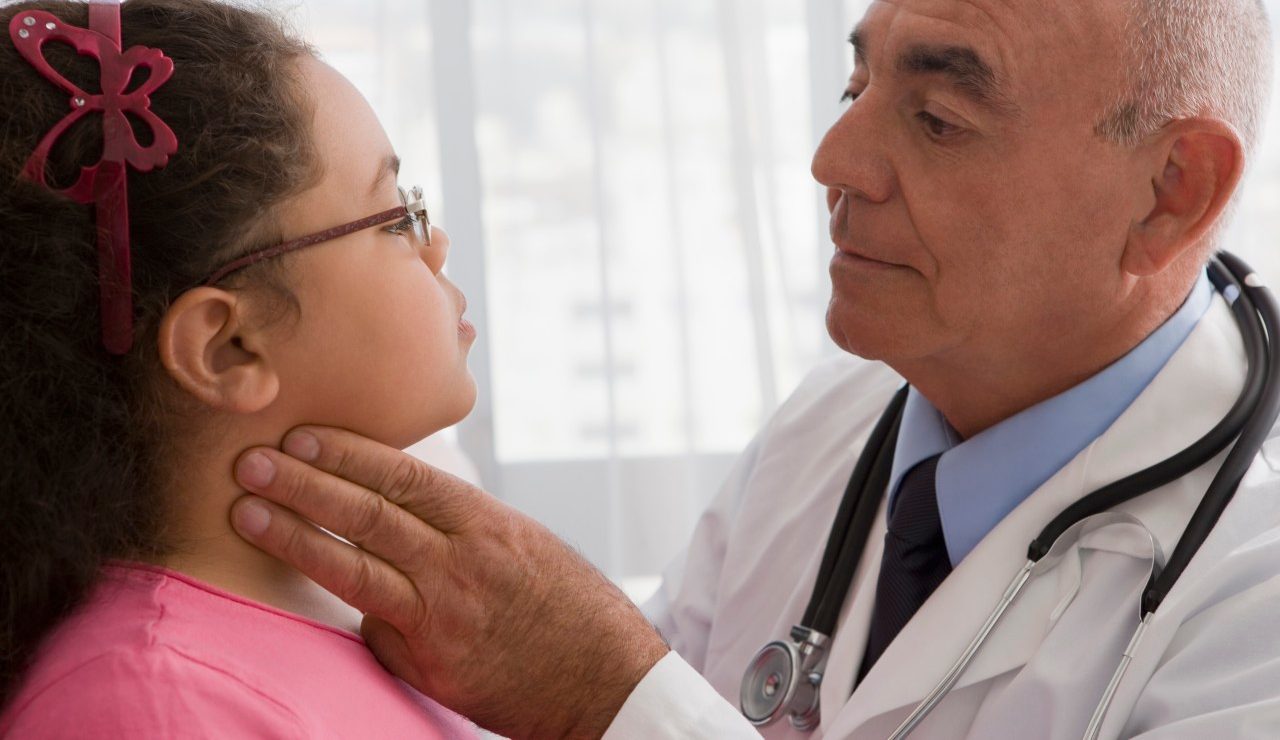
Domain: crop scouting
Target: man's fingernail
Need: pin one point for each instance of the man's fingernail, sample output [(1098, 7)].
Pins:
[(251, 518), (255, 470), (302, 445)]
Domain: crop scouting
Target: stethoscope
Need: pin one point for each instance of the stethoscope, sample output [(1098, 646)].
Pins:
[(785, 677)]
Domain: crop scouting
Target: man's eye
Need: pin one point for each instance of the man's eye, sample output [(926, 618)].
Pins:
[(938, 127), (849, 96)]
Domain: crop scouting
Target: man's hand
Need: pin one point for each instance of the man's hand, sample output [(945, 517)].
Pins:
[(465, 598)]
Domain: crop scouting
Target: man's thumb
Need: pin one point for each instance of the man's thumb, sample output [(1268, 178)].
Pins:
[(392, 651)]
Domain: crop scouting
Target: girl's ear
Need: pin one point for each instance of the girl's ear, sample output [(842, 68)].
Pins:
[(208, 349)]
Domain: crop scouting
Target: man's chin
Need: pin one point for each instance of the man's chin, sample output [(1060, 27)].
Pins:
[(854, 336), (870, 335)]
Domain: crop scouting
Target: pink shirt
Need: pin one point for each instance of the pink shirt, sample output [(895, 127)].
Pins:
[(156, 654)]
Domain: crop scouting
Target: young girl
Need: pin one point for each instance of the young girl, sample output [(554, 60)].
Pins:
[(278, 276)]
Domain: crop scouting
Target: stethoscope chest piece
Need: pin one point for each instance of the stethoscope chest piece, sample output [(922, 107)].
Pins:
[(783, 679)]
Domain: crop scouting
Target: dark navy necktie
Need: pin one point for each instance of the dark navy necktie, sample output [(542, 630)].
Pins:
[(915, 559)]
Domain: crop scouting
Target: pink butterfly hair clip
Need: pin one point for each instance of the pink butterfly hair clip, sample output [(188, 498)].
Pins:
[(104, 184)]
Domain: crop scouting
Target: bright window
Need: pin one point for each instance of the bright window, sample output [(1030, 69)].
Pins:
[(627, 188)]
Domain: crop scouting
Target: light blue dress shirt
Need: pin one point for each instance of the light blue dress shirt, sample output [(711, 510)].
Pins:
[(981, 479)]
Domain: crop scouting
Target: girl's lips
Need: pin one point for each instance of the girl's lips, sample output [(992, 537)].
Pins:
[(466, 329)]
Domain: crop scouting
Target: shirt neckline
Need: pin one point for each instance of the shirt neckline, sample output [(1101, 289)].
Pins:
[(982, 479), (209, 588)]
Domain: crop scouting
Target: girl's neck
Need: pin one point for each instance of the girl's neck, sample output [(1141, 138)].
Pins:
[(205, 547)]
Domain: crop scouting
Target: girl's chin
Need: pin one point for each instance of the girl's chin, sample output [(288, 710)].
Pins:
[(438, 421), (413, 417)]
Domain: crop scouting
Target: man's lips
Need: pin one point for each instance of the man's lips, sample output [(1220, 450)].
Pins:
[(844, 249), (839, 234)]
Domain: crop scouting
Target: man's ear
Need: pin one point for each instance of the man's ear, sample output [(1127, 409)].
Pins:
[(1197, 164), (211, 353)]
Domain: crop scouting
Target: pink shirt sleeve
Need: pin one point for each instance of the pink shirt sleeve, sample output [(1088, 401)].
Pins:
[(157, 693)]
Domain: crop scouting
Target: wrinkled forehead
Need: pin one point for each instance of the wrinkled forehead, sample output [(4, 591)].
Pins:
[(1027, 44)]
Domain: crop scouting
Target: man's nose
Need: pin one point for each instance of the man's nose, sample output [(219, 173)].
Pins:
[(852, 157)]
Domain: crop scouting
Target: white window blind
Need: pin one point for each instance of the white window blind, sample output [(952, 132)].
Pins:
[(626, 184)]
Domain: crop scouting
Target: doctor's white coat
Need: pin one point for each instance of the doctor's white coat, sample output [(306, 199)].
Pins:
[(1208, 667)]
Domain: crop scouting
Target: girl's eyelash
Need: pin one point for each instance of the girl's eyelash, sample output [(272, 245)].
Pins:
[(401, 226)]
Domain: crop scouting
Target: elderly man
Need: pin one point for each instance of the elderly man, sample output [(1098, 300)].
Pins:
[(1024, 195)]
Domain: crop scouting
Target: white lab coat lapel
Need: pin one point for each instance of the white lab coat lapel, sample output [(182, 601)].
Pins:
[(1186, 399), (939, 631)]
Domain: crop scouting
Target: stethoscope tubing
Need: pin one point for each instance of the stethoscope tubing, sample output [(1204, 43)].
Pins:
[(1247, 424), (957, 669), (1260, 304), (1100, 712), (853, 522), (1266, 317), (1252, 417), (1198, 453)]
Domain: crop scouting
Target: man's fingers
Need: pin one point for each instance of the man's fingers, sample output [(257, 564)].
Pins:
[(349, 511), (442, 500), (353, 575)]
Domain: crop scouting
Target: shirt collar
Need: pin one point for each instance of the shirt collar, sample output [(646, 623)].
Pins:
[(981, 479)]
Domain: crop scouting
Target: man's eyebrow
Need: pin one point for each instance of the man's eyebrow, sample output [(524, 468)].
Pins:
[(858, 40), (966, 70), (388, 167), (964, 67)]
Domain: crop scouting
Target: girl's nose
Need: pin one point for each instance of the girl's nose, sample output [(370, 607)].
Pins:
[(435, 254)]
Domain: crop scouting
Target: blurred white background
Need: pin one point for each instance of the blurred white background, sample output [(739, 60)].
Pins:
[(626, 184)]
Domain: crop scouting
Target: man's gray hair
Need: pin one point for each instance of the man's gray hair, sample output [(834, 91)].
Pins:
[(1189, 58)]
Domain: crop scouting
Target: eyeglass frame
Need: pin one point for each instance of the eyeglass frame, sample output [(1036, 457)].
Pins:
[(413, 205)]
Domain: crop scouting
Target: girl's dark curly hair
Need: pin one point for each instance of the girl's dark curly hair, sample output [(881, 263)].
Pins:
[(84, 433)]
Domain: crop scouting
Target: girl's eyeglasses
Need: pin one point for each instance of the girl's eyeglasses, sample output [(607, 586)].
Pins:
[(412, 214)]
